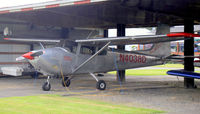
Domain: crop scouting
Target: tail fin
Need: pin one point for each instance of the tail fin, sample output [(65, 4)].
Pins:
[(162, 49)]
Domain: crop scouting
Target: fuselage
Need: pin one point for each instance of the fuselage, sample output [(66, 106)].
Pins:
[(55, 61)]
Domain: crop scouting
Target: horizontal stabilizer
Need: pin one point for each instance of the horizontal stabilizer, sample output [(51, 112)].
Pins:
[(181, 57), (183, 73)]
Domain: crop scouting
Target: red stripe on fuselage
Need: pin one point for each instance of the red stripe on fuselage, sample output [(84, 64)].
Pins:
[(67, 58)]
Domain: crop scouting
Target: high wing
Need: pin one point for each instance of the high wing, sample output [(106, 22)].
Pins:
[(33, 40), (144, 39)]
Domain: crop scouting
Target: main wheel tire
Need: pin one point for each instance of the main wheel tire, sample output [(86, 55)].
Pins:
[(46, 86), (101, 85), (66, 82)]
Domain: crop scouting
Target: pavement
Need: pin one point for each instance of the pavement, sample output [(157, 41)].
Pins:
[(156, 92)]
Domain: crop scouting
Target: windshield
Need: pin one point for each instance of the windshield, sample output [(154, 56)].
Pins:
[(71, 46)]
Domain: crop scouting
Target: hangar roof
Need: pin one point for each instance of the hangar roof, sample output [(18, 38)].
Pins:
[(104, 13)]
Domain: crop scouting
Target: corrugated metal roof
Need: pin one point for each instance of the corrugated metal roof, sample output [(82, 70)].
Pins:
[(105, 13), (50, 4)]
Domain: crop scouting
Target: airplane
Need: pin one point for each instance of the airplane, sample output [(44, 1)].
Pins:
[(89, 56)]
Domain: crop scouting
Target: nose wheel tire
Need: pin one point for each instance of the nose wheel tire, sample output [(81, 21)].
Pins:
[(46, 86), (66, 82), (101, 85)]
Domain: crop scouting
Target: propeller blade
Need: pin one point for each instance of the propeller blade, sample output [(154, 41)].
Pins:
[(20, 58)]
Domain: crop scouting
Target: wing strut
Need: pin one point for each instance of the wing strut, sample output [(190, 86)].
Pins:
[(89, 59), (42, 46)]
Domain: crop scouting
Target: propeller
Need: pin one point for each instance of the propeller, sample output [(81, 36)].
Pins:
[(30, 55)]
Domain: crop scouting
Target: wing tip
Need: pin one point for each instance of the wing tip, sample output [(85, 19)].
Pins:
[(183, 34)]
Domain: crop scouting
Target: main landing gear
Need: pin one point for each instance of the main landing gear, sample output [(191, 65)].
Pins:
[(101, 85), (66, 82)]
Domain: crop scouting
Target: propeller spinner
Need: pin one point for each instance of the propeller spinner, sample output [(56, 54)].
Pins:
[(30, 55)]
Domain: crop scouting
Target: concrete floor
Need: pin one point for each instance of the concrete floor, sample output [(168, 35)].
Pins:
[(158, 92)]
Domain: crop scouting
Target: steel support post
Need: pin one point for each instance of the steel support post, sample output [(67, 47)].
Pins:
[(121, 32), (105, 33), (189, 51), (31, 47)]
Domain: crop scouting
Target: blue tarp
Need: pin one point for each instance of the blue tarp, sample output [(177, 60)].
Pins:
[(184, 73)]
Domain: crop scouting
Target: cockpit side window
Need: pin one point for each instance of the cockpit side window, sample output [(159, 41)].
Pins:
[(104, 52), (74, 49), (87, 50)]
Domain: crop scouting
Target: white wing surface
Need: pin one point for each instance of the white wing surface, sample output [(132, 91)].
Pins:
[(144, 39)]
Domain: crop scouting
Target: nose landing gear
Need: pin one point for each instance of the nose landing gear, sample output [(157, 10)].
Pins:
[(46, 86)]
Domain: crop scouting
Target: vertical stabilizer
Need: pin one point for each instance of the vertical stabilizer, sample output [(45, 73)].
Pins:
[(160, 49)]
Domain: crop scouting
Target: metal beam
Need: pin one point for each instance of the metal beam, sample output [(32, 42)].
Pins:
[(105, 33), (189, 51), (121, 32)]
